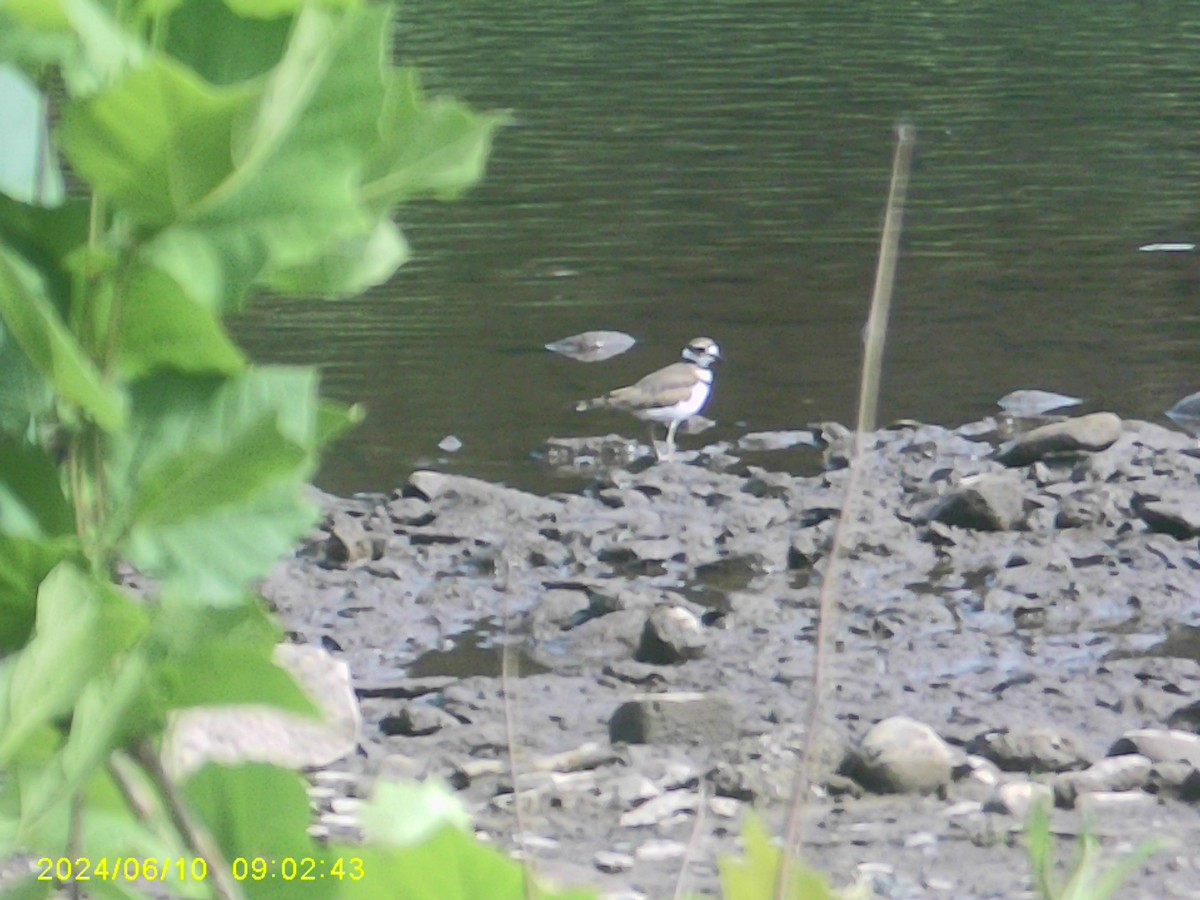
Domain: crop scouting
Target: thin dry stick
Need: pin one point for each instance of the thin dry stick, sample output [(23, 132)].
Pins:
[(868, 401), (198, 840), (690, 849), (508, 667)]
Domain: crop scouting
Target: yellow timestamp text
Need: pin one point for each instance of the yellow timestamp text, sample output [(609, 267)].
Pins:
[(297, 868), (120, 868)]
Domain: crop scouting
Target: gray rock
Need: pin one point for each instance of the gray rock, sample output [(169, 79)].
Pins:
[(1034, 402), (674, 718), (992, 501), (765, 441), (762, 768), (591, 453), (1036, 749), (902, 755), (417, 720), (349, 543), (1174, 779), (592, 346), (431, 486), (611, 862), (230, 735), (1176, 513), (1085, 434), (1016, 798), (661, 809), (656, 851), (1186, 413), (1128, 772), (671, 635), (1160, 745)]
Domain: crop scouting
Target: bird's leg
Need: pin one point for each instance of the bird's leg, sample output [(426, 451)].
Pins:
[(671, 437), (653, 442)]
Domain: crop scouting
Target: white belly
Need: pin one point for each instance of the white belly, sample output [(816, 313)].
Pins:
[(685, 410)]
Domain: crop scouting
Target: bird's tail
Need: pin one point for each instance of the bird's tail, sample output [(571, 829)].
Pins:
[(585, 405)]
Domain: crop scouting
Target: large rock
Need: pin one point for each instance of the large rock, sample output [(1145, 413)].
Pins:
[(431, 485), (993, 501), (229, 735), (1160, 745), (671, 635), (1176, 513), (674, 718), (1085, 434), (1037, 749), (1128, 772), (901, 756)]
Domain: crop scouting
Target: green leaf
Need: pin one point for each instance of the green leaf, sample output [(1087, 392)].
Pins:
[(217, 673), (157, 142), (334, 420), (45, 237), (163, 327), (31, 889), (349, 267), (268, 9), (24, 565), (292, 192), (204, 480), (221, 46), (80, 36), (401, 814), (208, 483), (257, 811), (1037, 840), (81, 625), (31, 500), (449, 866), (32, 319), (100, 722), (435, 148), (181, 625), (753, 876)]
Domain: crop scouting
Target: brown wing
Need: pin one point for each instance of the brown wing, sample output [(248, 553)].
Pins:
[(672, 384)]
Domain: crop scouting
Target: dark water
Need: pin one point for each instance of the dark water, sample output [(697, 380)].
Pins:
[(720, 168)]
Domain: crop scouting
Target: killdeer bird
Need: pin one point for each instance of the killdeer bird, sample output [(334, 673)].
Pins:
[(671, 395)]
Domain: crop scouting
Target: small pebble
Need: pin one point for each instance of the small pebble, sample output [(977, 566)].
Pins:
[(611, 862)]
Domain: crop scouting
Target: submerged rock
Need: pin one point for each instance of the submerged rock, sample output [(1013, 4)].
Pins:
[(592, 346), (1034, 402)]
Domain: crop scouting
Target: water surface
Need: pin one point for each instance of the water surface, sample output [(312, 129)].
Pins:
[(676, 170)]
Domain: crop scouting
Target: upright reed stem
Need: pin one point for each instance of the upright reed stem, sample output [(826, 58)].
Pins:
[(868, 403)]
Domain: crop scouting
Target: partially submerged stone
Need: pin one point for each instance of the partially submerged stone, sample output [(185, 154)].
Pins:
[(1034, 402), (592, 346), (1186, 413)]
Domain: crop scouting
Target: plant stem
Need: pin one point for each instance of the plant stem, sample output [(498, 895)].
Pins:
[(867, 407), (197, 839)]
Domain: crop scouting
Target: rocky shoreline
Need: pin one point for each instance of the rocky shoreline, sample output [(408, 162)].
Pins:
[(1016, 618)]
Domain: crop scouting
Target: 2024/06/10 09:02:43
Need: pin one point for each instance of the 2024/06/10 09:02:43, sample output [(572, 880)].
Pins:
[(258, 868)]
